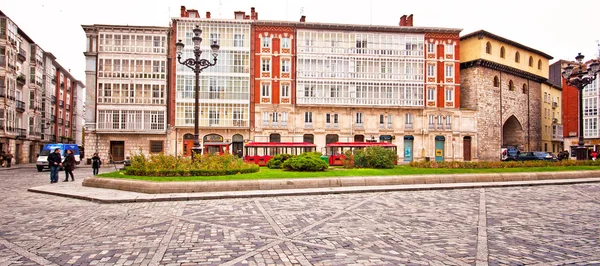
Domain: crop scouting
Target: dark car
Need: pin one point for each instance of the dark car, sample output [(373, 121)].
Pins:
[(536, 155)]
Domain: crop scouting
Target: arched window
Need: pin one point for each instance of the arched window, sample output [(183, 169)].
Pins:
[(511, 85), (496, 82), (488, 48), (540, 64), (502, 52), (517, 57), (524, 88), (531, 61)]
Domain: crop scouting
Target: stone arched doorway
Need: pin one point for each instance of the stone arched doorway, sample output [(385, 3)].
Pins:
[(512, 133), (188, 144)]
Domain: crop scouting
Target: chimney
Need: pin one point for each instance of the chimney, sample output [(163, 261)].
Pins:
[(409, 20), (207, 14), (402, 21), (303, 18), (252, 13), (183, 12)]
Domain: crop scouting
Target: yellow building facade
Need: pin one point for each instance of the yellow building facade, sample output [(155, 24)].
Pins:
[(552, 129)]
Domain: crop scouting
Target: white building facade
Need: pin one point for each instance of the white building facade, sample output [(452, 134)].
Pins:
[(126, 75), (224, 99)]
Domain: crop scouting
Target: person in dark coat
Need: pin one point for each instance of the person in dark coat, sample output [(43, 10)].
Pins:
[(55, 162), (69, 165), (8, 157), (96, 163)]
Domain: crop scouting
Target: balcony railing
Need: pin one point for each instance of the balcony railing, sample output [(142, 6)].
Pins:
[(53, 80), (53, 100), (62, 85), (67, 124), (52, 118), (20, 106), (21, 80), (22, 55), (554, 104), (21, 133), (2, 90), (68, 107), (52, 138), (60, 121), (61, 103)]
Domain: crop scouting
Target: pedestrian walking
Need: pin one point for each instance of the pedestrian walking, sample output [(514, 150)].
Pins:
[(594, 155), (55, 162), (96, 163), (69, 165), (8, 157)]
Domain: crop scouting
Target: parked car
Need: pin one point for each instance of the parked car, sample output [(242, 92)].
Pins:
[(536, 155)]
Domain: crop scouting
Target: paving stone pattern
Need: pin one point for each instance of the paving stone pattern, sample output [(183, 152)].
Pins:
[(540, 225)]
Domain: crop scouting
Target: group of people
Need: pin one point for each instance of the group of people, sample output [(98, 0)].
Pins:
[(68, 164), (5, 159)]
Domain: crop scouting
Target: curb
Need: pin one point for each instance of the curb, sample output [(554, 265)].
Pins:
[(133, 197), (150, 187)]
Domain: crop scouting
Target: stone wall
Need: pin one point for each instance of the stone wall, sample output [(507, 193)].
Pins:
[(494, 107)]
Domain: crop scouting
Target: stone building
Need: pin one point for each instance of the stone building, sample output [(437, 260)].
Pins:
[(31, 115), (502, 81), (126, 77)]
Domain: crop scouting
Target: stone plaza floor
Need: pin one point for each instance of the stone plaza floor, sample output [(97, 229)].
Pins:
[(530, 225)]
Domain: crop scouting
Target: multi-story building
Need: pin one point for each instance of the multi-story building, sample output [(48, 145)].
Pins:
[(126, 77), (26, 75), (396, 84), (78, 113), (569, 106), (552, 130), (501, 80), (274, 83), (224, 88)]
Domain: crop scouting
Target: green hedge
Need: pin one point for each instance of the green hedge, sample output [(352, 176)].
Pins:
[(308, 162), (371, 157), (277, 161), (197, 172), (499, 164), (202, 165)]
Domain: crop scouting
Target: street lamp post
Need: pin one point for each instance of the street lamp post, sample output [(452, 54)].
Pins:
[(579, 77), (197, 65)]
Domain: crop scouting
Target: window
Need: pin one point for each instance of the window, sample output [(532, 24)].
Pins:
[(517, 57), (213, 117), (285, 65), (449, 49), (488, 48), (431, 94), (266, 65), (309, 91), (431, 48), (327, 118), (285, 90), (238, 40), (214, 38), (156, 146), (308, 117), (389, 121), (511, 85), (334, 92), (524, 88), (502, 52), (449, 95), (496, 82), (285, 42), (449, 71), (539, 63), (381, 120), (431, 70), (266, 42), (265, 90), (531, 61), (359, 119)]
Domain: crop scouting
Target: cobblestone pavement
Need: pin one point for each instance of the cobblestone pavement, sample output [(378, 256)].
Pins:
[(541, 225)]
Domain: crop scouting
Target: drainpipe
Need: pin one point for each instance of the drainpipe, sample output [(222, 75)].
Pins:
[(528, 118), (501, 118)]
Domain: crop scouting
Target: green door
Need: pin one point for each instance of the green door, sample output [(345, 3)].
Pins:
[(408, 148), (439, 148)]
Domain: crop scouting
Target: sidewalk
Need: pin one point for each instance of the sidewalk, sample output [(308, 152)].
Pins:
[(103, 195)]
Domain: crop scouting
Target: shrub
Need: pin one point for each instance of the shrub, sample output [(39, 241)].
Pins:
[(203, 165), (371, 157), (500, 164), (308, 161), (277, 160)]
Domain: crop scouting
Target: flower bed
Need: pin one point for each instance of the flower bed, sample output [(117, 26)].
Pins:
[(511, 164), (203, 165)]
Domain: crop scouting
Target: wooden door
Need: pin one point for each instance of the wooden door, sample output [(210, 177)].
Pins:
[(467, 148), (117, 150)]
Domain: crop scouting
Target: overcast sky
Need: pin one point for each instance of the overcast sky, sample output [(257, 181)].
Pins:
[(551, 26)]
